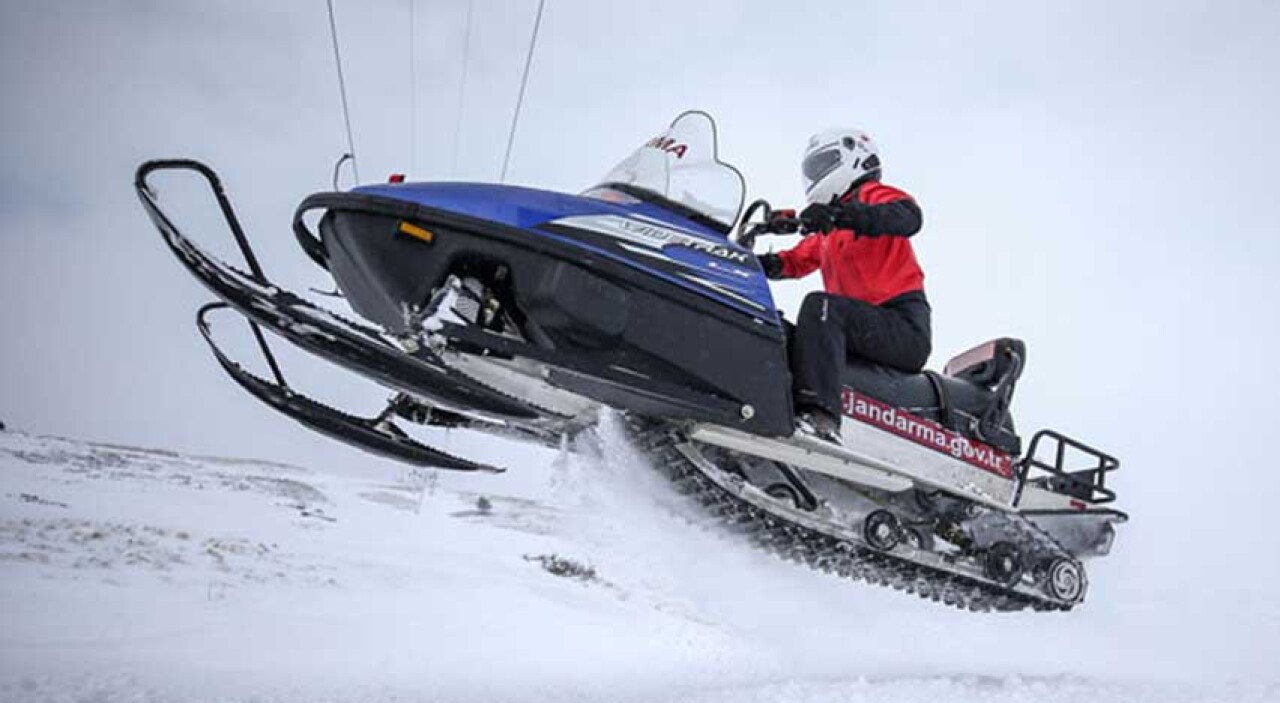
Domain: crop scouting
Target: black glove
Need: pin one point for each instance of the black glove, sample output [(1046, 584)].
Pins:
[(855, 216), (783, 222), (819, 218), (772, 265)]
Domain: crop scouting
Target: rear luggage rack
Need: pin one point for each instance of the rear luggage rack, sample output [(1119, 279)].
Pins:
[(1086, 482)]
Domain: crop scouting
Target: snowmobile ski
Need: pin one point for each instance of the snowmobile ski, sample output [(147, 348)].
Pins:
[(377, 435)]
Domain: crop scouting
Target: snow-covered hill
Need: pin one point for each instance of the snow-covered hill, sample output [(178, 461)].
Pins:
[(140, 575)]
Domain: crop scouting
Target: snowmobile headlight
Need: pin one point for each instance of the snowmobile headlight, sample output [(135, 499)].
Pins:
[(417, 232)]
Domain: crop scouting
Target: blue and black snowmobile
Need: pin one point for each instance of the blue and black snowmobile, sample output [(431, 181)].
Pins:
[(524, 312)]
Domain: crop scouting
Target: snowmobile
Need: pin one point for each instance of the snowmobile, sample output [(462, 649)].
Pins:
[(523, 313)]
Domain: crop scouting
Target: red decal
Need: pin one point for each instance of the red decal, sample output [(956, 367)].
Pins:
[(926, 433), (668, 145), (1078, 504)]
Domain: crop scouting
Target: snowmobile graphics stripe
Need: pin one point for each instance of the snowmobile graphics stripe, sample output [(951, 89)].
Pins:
[(754, 309), (736, 277), (926, 433), (723, 291), (649, 237), (650, 234)]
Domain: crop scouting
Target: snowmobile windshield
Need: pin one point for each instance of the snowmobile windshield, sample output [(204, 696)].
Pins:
[(681, 170)]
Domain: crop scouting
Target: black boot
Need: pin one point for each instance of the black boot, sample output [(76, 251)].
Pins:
[(819, 423)]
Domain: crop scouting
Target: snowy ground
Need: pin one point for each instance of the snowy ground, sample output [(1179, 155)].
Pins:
[(137, 575)]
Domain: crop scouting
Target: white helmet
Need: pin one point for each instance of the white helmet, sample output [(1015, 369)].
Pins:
[(835, 160)]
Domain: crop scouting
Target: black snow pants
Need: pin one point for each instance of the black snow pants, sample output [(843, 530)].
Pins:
[(832, 328)]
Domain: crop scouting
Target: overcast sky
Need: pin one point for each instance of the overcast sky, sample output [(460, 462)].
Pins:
[(1097, 178)]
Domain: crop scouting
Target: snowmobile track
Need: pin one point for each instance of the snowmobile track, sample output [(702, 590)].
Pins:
[(804, 545)]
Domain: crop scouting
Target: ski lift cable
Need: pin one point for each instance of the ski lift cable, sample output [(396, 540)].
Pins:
[(413, 93), (524, 81), (462, 88), (342, 89)]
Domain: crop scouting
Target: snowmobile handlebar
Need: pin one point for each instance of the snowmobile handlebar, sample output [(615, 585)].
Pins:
[(771, 222)]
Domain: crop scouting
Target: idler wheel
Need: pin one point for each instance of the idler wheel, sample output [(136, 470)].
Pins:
[(784, 493), (1065, 580), (882, 530), (1003, 563), (918, 537)]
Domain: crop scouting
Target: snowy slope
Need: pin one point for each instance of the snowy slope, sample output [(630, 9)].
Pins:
[(133, 574)]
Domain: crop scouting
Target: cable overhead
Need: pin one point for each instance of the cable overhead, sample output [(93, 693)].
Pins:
[(524, 81), (413, 93), (342, 89), (462, 88)]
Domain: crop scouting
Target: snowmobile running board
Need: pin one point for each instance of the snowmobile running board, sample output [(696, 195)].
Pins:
[(809, 453), (350, 345), (813, 454)]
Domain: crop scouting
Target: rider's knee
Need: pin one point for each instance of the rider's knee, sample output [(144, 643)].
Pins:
[(813, 309)]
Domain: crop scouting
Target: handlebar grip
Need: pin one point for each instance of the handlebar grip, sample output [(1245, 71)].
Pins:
[(784, 225)]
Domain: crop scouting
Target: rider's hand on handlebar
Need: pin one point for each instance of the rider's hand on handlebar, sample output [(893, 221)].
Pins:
[(819, 218), (783, 222)]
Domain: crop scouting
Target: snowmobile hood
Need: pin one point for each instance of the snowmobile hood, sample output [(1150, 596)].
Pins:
[(526, 208), (643, 235)]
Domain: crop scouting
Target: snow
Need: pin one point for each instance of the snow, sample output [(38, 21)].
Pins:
[(138, 575)]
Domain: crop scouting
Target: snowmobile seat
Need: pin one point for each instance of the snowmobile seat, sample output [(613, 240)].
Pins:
[(989, 362), (971, 397)]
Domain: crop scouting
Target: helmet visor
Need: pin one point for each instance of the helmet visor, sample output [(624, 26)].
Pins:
[(818, 164)]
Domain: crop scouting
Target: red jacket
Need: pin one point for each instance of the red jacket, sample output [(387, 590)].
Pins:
[(869, 257)]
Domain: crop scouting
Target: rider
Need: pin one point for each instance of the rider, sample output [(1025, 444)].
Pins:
[(874, 306)]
